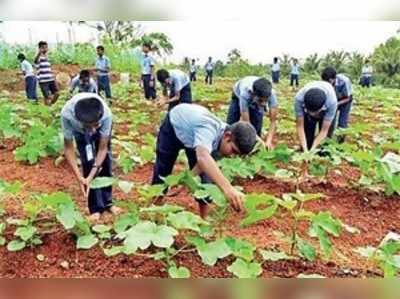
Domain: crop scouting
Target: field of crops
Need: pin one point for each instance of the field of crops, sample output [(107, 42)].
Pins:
[(342, 222)]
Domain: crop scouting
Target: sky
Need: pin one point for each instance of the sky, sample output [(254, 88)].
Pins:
[(258, 41)]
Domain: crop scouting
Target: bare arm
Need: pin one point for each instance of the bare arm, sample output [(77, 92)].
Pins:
[(245, 116), (273, 116), (300, 133), (344, 101), (207, 165), (101, 155), (175, 98), (69, 153), (322, 134)]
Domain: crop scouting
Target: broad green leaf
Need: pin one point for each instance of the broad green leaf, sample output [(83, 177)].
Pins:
[(66, 216), (125, 186), (327, 223), (124, 221), (241, 249), (243, 269), (164, 209), (173, 180), (2, 241), (306, 250), (274, 256), (16, 245), (181, 272), (113, 251), (25, 232), (210, 252), (215, 194), (86, 242), (186, 220), (255, 200), (151, 191), (101, 228), (102, 182)]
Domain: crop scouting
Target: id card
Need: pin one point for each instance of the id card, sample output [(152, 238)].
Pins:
[(89, 152)]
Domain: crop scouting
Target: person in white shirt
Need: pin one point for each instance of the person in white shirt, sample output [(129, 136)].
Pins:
[(366, 75), (193, 71), (30, 78), (209, 67), (295, 73), (276, 71)]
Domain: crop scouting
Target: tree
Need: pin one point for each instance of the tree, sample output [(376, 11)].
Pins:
[(336, 59), (285, 61), (234, 56), (312, 64), (355, 64), (386, 57), (131, 33)]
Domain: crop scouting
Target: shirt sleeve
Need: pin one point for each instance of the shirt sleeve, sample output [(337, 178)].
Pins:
[(178, 85), (273, 101), (74, 84), (331, 106), (243, 100), (205, 137), (67, 128), (105, 128), (298, 104), (93, 86)]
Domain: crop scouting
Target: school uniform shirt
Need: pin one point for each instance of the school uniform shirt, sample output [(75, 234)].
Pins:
[(343, 86), (27, 69), (147, 63), (194, 125), (103, 66), (193, 68), (44, 72), (209, 66), (276, 67), (179, 79), (330, 105), (295, 69), (243, 89), (76, 83), (367, 71), (70, 124)]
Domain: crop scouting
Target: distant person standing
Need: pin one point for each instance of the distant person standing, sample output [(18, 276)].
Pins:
[(103, 67), (344, 93), (366, 74), (176, 85), (295, 73), (83, 82), (148, 77), (276, 71), (209, 68), (193, 71), (30, 78), (47, 80)]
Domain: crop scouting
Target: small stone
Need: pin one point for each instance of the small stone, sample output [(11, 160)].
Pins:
[(40, 257), (64, 265)]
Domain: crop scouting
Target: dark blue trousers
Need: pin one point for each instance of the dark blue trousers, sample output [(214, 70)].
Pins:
[(256, 116), (294, 79), (149, 91), (193, 76), (209, 77), (310, 125), (30, 88), (185, 96), (344, 114), (103, 84), (99, 199), (276, 76), (167, 151), (365, 81)]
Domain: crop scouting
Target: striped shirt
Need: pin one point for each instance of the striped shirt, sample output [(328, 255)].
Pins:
[(44, 72)]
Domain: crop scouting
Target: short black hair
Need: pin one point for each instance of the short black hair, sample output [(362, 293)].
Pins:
[(328, 73), (21, 56), (314, 99), (100, 48), (162, 75), (193, 60), (367, 61), (42, 43), (262, 88), (147, 45), (275, 59), (244, 136), (84, 74), (89, 110)]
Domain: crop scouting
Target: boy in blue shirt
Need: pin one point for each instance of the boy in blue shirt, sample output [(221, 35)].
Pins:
[(251, 97), (193, 71), (203, 136), (103, 67), (276, 71), (344, 93), (30, 78), (148, 77), (83, 82), (209, 68), (295, 73), (176, 85)]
